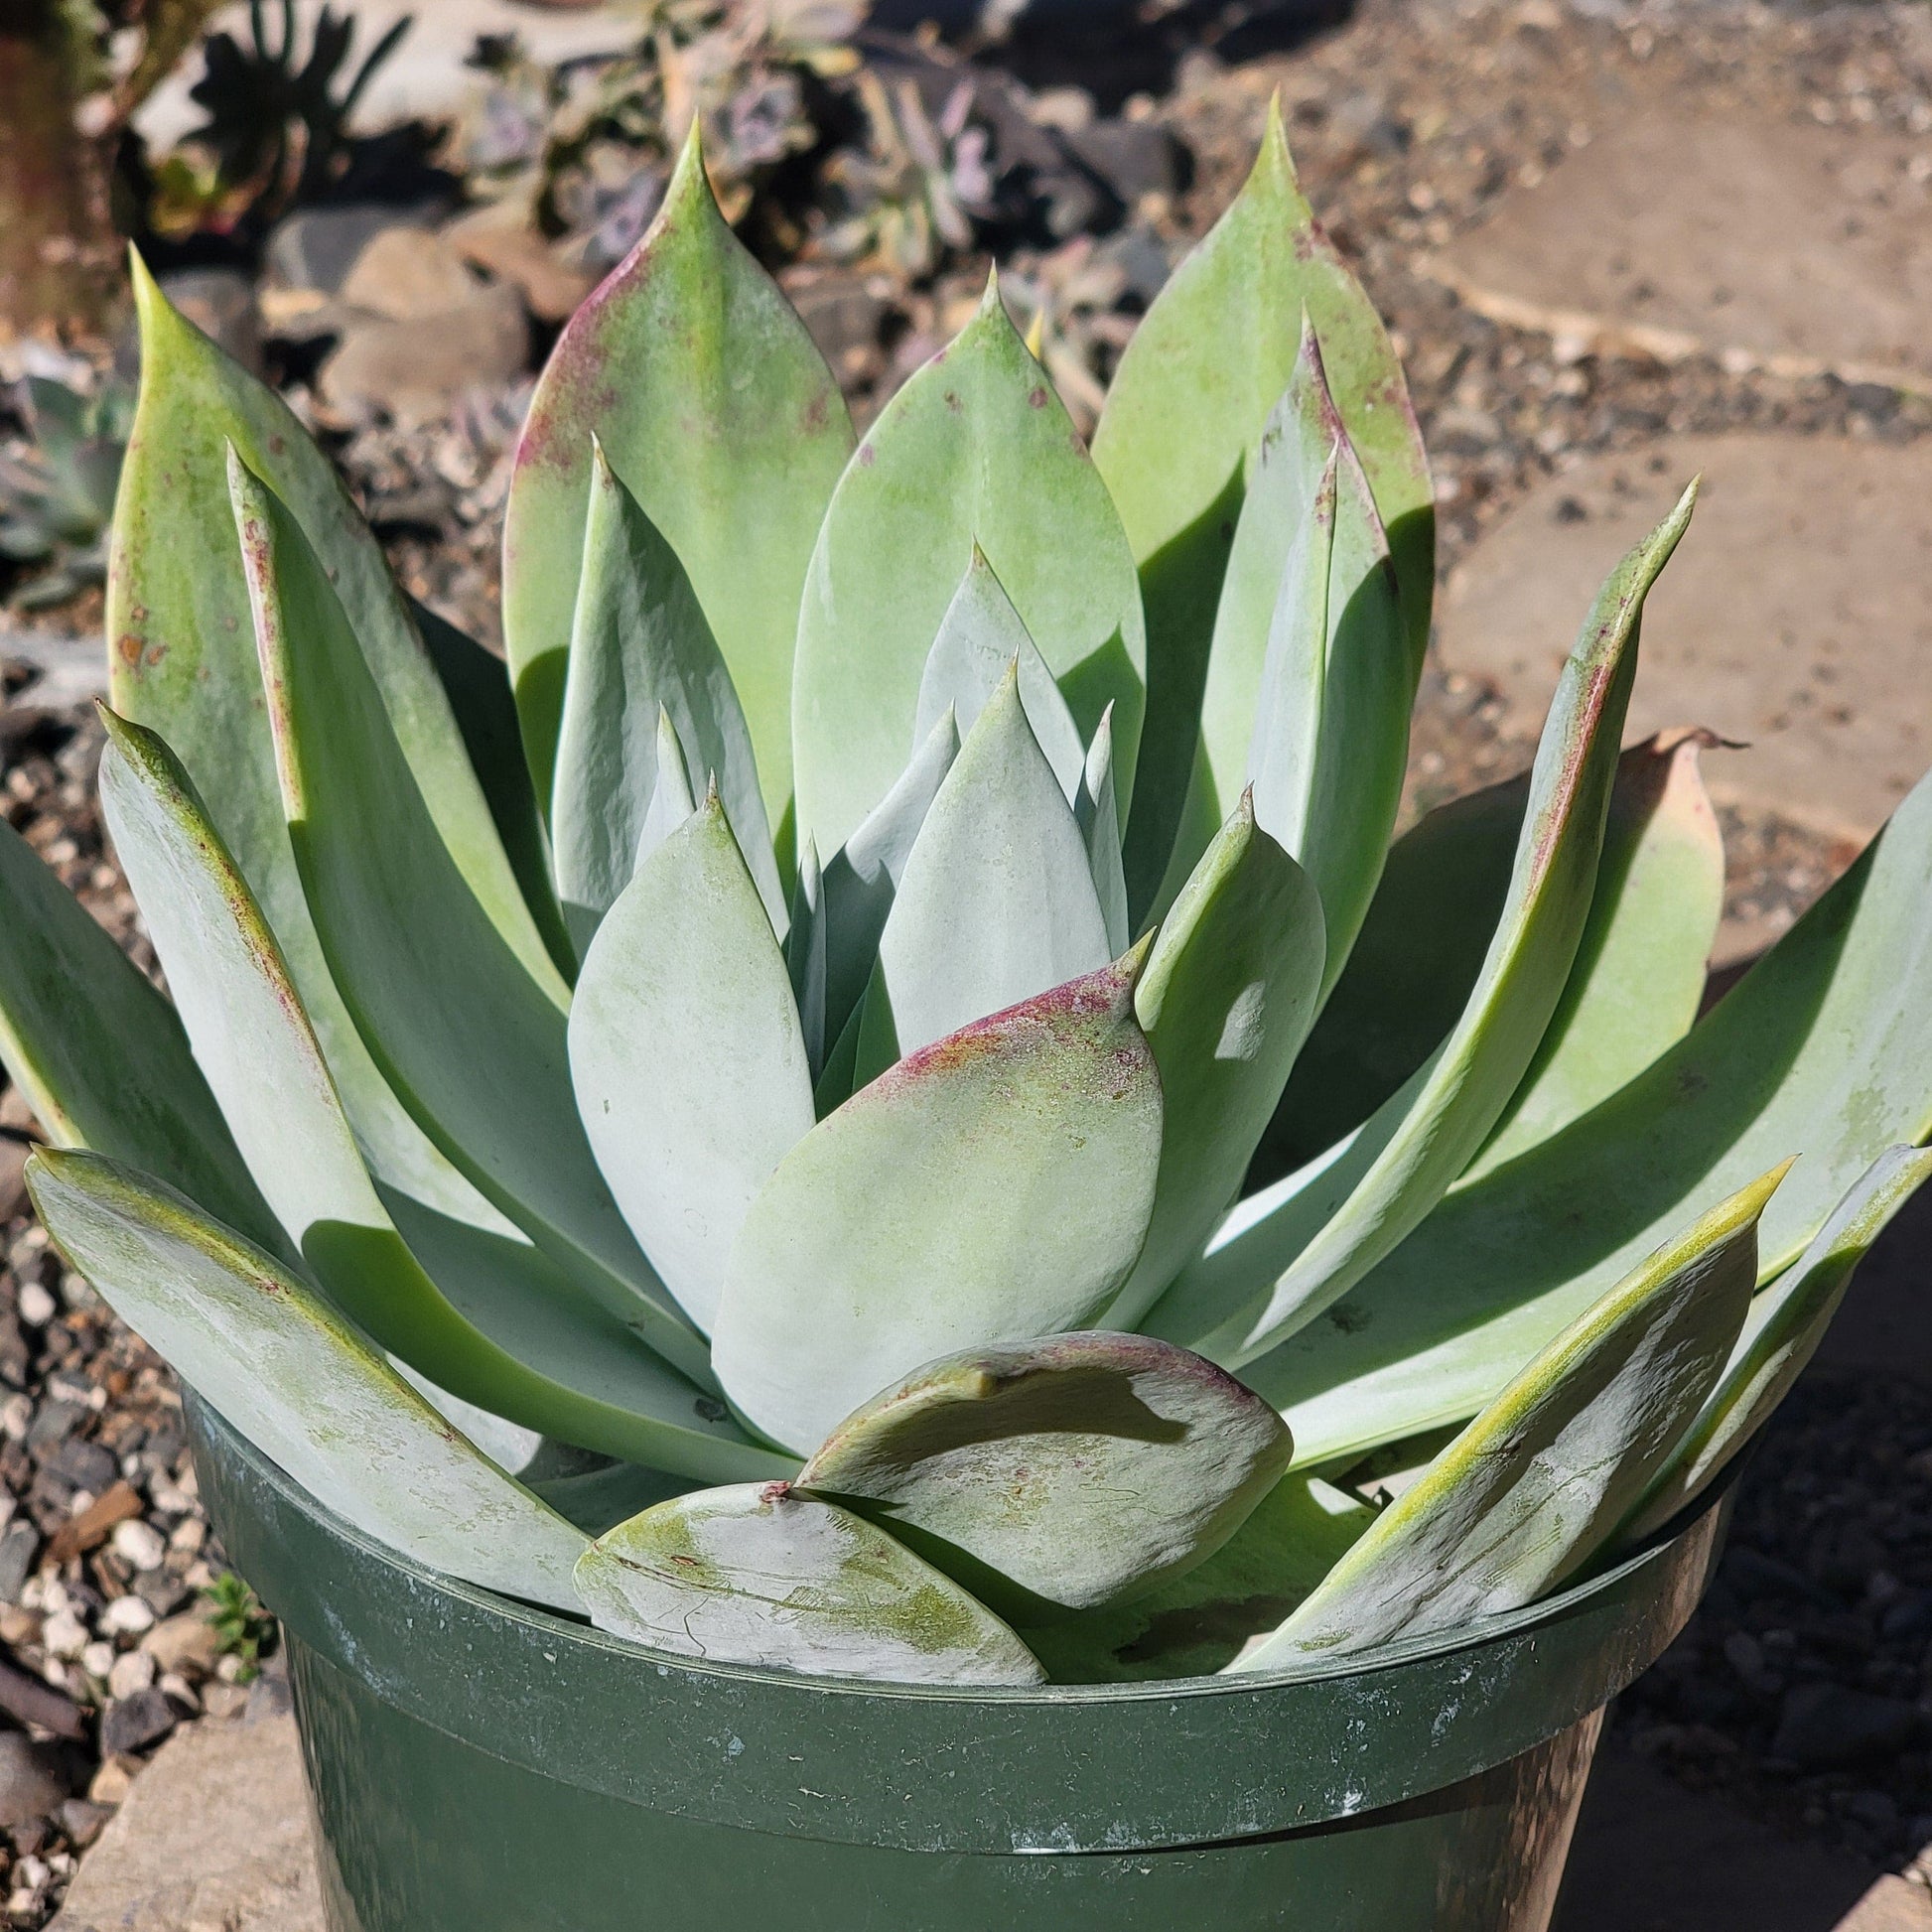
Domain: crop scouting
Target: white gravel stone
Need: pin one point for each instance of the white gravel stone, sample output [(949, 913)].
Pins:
[(98, 1658), (64, 1635), (37, 1306), (140, 1544), (133, 1671), (127, 1616)]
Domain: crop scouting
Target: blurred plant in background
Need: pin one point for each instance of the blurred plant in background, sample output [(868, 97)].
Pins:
[(277, 127), (56, 494)]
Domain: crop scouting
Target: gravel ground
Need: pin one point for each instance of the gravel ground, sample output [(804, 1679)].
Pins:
[(1407, 124)]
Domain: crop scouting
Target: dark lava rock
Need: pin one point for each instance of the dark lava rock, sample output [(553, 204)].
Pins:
[(136, 1722), (1826, 1725)]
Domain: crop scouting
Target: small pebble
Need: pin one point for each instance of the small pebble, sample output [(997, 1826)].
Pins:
[(133, 1670), (64, 1635), (110, 1784), (140, 1544), (127, 1616), (36, 1306), (97, 1659)]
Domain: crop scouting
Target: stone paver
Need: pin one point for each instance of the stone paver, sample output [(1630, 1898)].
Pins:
[(1796, 615), (1783, 246), (214, 1834)]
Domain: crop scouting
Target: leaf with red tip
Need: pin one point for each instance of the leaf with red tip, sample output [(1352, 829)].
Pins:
[(991, 1189)]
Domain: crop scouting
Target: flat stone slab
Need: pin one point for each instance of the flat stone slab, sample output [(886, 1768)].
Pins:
[(1793, 248), (213, 1838), (1796, 615)]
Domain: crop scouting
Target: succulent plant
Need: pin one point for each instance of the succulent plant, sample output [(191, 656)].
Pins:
[(746, 1127), (57, 497)]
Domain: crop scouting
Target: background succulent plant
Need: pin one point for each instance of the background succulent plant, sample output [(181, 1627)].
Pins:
[(890, 1071)]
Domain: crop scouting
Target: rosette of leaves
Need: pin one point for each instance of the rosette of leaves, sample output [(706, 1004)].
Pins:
[(742, 1126), (57, 494)]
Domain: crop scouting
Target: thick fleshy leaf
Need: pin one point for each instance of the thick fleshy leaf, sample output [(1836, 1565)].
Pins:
[(1822, 1047), (1208, 1619), (1097, 813), (1249, 1293), (1225, 1001), (99, 1052), (1311, 680), (1065, 1475), (263, 1348), (997, 901), (719, 415), (1181, 424), (1637, 978), (690, 1069), (181, 662), (477, 684), (1536, 1483), (470, 1035), (863, 875), (760, 1574), (979, 637), (639, 647), (1781, 1333), (993, 1187), (976, 449), (804, 952), (493, 1321)]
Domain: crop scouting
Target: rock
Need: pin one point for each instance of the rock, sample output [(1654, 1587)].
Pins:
[(1793, 615), (81, 1821), (215, 1833), (86, 1465), (1892, 1905), (185, 1642), (136, 1722), (18, 1549), (1801, 250), (127, 1616), (418, 329), (220, 302), (13, 1180), (32, 1783), (407, 274), (1828, 1725), (140, 1544), (132, 1670), (1134, 158), (841, 310), (111, 1784), (313, 251), (499, 237), (118, 1502)]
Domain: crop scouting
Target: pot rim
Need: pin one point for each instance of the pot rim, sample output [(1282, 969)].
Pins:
[(1061, 1769)]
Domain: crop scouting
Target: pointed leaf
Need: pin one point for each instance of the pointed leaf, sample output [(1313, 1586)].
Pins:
[(1291, 1264), (713, 405), (100, 1055), (805, 954), (1066, 1474), (758, 1574), (469, 1035), (997, 901), (1225, 1001), (292, 1377), (1205, 1620), (1179, 433), (690, 1068), (975, 449), (1534, 1487), (1097, 813), (993, 1187), (639, 646), (979, 637), (1638, 978), (863, 875), (1823, 1046), (1638, 973), (491, 1321), (477, 684), (182, 661), (1781, 1333)]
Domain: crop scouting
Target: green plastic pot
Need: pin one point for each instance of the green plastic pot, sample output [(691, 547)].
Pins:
[(477, 1765)]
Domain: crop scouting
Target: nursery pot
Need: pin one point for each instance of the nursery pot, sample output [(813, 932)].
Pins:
[(477, 1765)]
